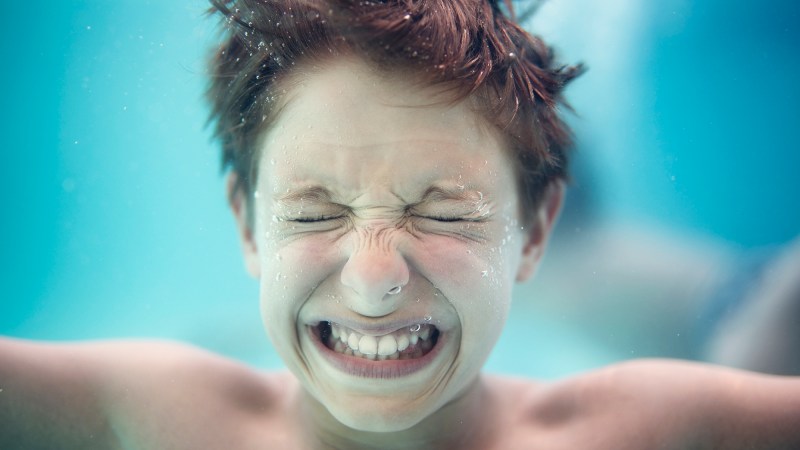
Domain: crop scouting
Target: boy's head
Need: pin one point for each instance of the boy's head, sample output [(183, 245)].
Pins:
[(468, 47), (396, 167)]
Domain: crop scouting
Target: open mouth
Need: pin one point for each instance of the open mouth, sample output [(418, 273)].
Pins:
[(406, 343)]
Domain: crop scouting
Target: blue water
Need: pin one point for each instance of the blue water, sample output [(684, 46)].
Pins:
[(114, 221)]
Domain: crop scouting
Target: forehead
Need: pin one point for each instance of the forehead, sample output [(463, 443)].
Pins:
[(345, 124)]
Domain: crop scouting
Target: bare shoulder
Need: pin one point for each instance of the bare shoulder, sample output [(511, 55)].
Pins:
[(143, 394), (660, 404), (152, 384)]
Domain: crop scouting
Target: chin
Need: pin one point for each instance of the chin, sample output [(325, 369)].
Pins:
[(379, 419)]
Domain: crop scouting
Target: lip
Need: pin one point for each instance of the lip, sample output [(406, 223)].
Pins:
[(377, 329), (376, 369)]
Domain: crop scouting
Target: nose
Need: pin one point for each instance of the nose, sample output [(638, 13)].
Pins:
[(375, 271)]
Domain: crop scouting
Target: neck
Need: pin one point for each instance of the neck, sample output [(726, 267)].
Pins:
[(459, 424)]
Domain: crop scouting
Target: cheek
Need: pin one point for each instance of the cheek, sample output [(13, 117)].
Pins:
[(292, 270), (476, 279), (490, 264)]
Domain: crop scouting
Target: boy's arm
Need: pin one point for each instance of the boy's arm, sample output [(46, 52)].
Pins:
[(696, 405), (757, 411), (49, 397)]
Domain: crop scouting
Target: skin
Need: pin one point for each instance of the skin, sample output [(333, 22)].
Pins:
[(377, 144), (446, 231)]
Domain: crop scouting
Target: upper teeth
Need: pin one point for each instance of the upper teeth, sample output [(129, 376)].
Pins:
[(385, 345)]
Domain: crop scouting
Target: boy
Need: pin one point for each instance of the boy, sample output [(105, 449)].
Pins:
[(395, 168)]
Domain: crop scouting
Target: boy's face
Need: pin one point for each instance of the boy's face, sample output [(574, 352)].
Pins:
[(380, 212)]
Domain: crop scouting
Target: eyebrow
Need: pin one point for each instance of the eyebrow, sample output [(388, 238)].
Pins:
[(313, 193), (443, 193), (433, 193)]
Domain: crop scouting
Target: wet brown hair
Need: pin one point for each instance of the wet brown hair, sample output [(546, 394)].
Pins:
[(471, 46)]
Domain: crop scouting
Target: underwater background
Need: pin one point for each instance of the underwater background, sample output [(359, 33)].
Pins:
[(115, 224)]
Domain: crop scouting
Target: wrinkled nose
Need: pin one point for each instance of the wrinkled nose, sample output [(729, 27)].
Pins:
[(376, 273)]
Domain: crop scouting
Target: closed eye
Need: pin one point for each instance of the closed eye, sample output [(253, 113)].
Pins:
[(443, 219), (314, 219), (453, 218)]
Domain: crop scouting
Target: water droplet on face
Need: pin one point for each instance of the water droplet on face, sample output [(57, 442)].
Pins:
[(415, 328), (272, 161), (428, 318)]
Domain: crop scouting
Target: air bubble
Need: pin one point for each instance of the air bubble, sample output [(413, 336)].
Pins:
[(415, 328)]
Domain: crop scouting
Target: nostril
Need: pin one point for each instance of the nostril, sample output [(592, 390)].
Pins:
[(395, 290)]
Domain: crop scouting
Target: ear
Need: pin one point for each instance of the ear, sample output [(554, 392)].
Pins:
[(238, 204), (540, 228)]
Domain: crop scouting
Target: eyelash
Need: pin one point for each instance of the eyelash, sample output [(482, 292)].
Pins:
[(456, 219), (442, 219), (315, 219), (445, 219)]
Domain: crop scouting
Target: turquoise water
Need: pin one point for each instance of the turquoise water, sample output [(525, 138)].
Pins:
[(115, 223)]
